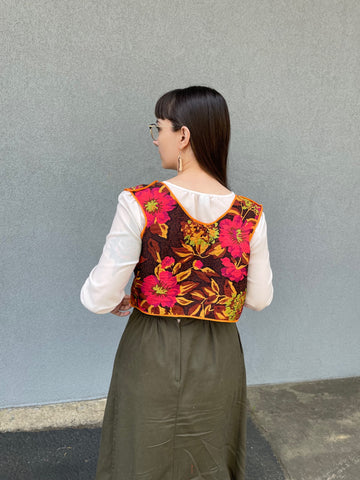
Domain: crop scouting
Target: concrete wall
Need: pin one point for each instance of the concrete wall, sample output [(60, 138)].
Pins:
[(79, 84)]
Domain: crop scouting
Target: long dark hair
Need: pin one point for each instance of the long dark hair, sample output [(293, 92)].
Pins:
[(204, 112)]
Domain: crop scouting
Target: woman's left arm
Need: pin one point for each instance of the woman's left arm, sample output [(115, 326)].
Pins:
[(259, 279), (103, 290)]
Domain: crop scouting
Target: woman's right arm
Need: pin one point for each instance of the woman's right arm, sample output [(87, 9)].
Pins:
[(260, 290), (104, 288)]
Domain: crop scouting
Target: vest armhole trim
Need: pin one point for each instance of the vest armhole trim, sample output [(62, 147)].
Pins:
[(132, 190), (257, 222), (137, 201)]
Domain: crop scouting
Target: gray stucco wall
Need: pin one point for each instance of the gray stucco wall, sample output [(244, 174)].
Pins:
[(79, 84)]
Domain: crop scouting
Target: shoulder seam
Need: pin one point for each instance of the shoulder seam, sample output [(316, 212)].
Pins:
[(140, 186), (241, 197)]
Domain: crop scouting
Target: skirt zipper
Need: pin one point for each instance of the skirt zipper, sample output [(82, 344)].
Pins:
[(178, 360)]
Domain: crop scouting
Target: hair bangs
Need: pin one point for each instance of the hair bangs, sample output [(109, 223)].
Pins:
[(164, 107)]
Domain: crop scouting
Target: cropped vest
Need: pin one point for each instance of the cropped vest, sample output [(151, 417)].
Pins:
[(188, 268)]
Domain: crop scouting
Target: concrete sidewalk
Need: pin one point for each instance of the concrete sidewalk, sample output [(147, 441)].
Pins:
[(296, 431)]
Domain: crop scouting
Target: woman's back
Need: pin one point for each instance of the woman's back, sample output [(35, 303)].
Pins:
[(123, 246)]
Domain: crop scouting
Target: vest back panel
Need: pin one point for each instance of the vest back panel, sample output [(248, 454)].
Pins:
[(188, 268)]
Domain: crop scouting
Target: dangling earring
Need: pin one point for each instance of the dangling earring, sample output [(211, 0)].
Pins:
[(179, 167)]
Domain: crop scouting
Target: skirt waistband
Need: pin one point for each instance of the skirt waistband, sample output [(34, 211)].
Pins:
[(184, 321)]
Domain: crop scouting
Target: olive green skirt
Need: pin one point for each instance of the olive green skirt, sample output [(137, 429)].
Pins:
[(176, 407)]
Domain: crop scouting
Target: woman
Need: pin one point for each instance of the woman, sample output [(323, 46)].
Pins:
[(176, 407)]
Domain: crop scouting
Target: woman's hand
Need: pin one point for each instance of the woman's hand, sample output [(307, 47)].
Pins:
[(123, 308)]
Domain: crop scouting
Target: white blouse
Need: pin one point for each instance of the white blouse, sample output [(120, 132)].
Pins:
[(105, 286)]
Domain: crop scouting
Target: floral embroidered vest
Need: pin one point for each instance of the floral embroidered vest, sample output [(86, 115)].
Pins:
[(188, 268)]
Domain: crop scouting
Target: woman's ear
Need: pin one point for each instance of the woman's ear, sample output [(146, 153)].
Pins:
[(184, 136)]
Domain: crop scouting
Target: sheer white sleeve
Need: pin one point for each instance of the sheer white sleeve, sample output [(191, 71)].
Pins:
[(259, 280), (104, 287)]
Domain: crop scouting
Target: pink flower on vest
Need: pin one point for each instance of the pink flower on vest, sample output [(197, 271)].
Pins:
[(161, 291), (234, 235), (198, 264), (167, 262), (156, 204), (232, 271)]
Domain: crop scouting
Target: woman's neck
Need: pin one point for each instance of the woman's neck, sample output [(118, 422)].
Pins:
[(199, 181)]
